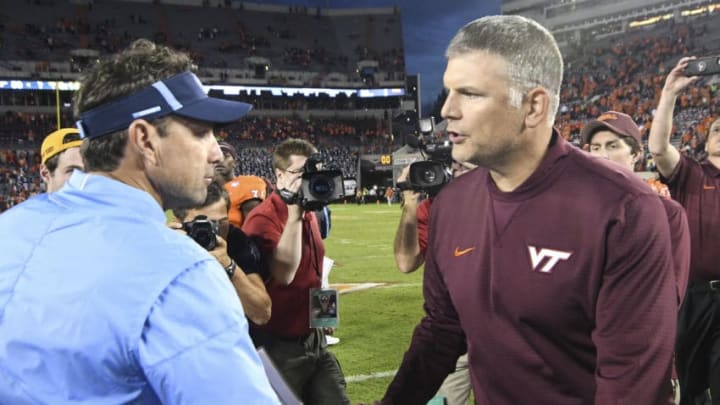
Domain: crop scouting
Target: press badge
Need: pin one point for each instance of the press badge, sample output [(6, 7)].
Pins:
[(323, 308)]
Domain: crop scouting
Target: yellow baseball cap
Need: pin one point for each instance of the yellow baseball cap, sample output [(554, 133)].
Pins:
[(59, 141)]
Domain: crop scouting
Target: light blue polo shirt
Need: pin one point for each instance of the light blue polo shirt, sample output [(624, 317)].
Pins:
[(102, 303)]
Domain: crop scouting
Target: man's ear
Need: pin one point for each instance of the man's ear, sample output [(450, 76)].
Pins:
[(45, 173), (142, 139), (538, 101)]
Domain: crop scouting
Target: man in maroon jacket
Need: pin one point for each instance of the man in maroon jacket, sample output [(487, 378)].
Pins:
[(697, 187), (615, 136), (551, 263)]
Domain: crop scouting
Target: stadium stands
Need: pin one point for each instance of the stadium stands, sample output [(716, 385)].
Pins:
[(627, 75), (320, 47), (232, 44)]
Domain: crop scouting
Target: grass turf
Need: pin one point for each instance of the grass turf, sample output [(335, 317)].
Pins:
[(375, 324)]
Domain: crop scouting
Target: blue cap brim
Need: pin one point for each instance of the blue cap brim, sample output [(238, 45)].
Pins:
[(182, 94), (215, 110)]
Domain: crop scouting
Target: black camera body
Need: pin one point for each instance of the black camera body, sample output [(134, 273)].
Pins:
[(318, 188), (430, 175), (203, 231), (703, 66)]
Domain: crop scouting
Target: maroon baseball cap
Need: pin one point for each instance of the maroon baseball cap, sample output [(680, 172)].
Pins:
[(617, 122)]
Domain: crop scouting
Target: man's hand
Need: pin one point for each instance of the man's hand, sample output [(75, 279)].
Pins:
[(220, 252), (176, 226), (409, 196), (291, 182), (676, 80)]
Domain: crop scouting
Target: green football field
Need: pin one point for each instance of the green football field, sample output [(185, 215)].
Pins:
[(375, 323)]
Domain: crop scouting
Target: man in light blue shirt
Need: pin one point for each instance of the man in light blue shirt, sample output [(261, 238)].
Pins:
[(101, 302)]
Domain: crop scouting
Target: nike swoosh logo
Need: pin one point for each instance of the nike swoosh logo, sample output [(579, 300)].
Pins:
[(706, 187), (463, 252)]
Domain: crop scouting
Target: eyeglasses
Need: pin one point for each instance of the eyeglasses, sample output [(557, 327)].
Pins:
[(296, 171)]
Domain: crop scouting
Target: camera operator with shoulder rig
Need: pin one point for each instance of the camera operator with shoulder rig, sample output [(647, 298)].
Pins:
[(208, 225), (411, 241), (289, 238), (425, 177)]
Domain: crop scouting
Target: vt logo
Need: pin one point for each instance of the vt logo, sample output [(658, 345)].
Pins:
[(552, 256)]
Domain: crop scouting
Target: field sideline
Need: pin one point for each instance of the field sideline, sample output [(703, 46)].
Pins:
[(376, 323)]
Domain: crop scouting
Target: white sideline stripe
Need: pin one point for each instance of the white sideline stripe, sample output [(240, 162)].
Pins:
[(366, 286), (401, 285), (359, 287), (365, 377)]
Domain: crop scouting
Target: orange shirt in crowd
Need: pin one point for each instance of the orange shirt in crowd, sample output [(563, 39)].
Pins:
[(241, 190)]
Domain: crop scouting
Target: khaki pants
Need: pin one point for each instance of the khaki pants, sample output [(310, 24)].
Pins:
[(456, 387)]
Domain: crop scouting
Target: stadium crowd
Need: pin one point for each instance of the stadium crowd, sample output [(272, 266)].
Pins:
[(627, 76), (623, 76), (222, 44)]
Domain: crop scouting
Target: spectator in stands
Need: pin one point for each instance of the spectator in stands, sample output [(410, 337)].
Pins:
[(235, 252), (410, 246), (140, 313), (291, 244), (546, 302), (60, 156), (695, 185), (246, 192), (616, 137)]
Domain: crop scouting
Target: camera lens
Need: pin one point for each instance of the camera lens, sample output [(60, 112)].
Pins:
[(204, 238), (321, 187), (429, 176)]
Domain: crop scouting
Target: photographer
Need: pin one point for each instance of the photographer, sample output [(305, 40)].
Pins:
[(696, 186), (235, 252), (292, 248)]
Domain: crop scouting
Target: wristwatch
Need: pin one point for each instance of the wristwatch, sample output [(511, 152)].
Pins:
[(230, 268)]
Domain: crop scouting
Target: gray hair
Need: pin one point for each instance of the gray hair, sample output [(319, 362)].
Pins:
[(532, 55)]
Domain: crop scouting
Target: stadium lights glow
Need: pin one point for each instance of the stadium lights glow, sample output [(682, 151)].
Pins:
[(650, 21), (227, 90), (38, 85), (684, 13), (704, 9)]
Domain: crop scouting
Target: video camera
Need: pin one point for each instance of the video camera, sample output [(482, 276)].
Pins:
[(203, 231), (432, 174), (318, 188)]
